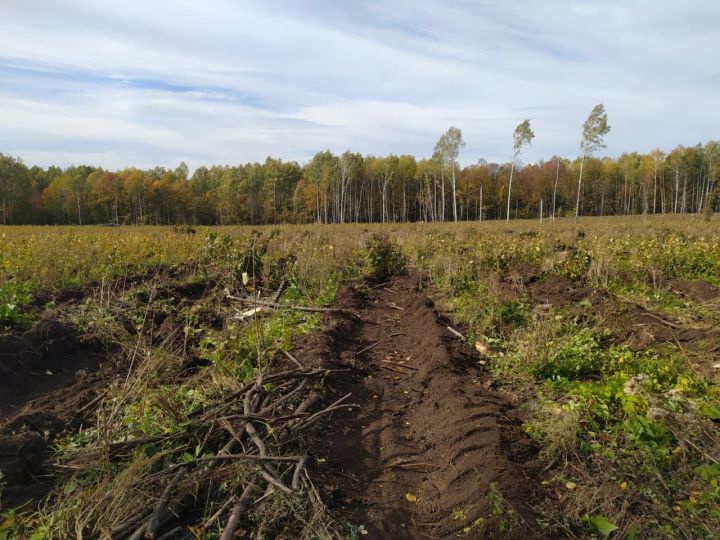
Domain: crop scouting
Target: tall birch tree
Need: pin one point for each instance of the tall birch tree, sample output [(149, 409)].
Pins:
[(594, 129), (523, 135), (448, 148)]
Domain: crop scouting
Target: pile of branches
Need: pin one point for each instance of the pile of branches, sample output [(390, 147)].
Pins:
[(233, 465), (258, 423)]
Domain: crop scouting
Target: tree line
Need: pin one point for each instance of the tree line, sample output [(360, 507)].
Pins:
[(355, 188)]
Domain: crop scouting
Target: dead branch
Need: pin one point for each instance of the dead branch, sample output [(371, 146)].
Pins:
[(154, 521), (297, 472), (276, 483), (237, 511), (278, 305), (295, 360), (366, 349), (212, 519), (400, 365), (231, 457), (456, 333)]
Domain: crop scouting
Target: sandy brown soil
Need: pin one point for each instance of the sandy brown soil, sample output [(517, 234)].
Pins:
[(429, 425)]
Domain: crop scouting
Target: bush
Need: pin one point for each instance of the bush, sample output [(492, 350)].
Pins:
[(514, 313), (385, 257), (578, 356), (576, 266)]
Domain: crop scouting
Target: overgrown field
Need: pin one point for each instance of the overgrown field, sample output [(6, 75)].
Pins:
[(141, 351)]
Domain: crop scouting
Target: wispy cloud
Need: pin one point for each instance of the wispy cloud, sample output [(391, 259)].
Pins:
[(145, 83)]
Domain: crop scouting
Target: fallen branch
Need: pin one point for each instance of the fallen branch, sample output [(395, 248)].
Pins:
[(276, 483), (171, 533), (277, 305), (154, 521), (366, 349), (394, 370), (230, 457), (456, 333), (128, 524), (332, 407), (297, 472), (401, 365), (212, 519), (295, 360), (237, 511)]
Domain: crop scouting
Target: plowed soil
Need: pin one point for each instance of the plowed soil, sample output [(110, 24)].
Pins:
[(47, 378), (429, 425), (432, 451)]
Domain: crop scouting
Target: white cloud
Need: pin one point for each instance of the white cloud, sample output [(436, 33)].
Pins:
[(142, 83)]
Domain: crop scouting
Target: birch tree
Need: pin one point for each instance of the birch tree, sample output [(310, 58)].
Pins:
[(658, 158), (594, 129), (523, 135), (448, 148)]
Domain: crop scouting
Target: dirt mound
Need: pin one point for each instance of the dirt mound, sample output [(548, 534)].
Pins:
[(640, 328), (50, 355), (558, 291), (47, 376), (429, 426), (629, 322), (698, 290), (544, 288)]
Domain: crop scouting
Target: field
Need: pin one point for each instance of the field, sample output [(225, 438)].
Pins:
[(470, 380)]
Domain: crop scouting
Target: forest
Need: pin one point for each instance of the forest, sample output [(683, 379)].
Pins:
[(355, 188)]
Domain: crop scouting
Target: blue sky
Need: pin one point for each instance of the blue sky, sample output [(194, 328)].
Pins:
[(146, 82)]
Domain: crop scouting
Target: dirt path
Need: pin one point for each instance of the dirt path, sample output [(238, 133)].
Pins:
[(429, 426)]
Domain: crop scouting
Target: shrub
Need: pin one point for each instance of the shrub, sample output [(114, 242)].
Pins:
[(575, 266), (577, 356), (385, 257), (514, 313)]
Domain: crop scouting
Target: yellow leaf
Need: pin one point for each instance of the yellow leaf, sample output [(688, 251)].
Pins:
[(623, 485), (481, 347), (410, 497), (571, 485)]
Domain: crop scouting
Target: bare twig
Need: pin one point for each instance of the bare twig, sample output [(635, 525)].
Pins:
[(295, 360), (233, 457), (456, 333), (366, 349), (276, 483), (277, 305), (212, 519), (401, 365), (171, 533), (297, 472)]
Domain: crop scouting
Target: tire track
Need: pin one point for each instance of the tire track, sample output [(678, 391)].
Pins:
[(429, 426)]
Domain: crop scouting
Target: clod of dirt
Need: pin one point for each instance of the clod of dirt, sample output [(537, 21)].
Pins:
[(51, 338), (432, 452), (21, 462)]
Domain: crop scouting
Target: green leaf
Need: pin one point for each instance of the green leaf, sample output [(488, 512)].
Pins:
[(710, 411), (602, 525)]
